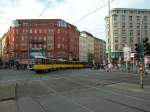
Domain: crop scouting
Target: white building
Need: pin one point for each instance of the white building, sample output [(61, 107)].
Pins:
[(127, 27)]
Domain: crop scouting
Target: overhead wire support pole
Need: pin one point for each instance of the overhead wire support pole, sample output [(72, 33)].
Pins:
[(109, 36), (141, 43)]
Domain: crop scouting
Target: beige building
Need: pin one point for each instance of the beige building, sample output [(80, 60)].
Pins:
[(102, 51), (86, 47), (0, 48), (127, 27), (3, 46), (91, 49)]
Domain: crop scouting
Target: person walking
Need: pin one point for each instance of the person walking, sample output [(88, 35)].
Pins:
[(141, 73)]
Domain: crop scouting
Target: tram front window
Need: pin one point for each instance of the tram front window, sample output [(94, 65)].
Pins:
[(38, 61)]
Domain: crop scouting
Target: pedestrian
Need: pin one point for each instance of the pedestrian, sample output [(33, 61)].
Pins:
[(141, 73)]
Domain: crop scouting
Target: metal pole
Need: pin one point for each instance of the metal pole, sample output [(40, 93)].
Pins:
[(142, 54), (109, 56)]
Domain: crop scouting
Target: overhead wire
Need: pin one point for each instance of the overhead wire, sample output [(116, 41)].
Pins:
[(92, 12), (45, 8)]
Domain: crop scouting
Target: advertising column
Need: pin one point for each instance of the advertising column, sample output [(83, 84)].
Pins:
[(127, 51)]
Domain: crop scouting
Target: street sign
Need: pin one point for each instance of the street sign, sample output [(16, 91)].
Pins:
[(126, 56), (126, 49), (132, 55)]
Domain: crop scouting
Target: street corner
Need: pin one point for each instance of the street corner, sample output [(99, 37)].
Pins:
[(131, 87), (7, 91), (8, 106)]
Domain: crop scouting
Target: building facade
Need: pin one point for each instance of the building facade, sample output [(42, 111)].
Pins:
[(96, 51), (0, 49), (86, 49), (102, 52), (92, 49), (127, 27), (53, 38)]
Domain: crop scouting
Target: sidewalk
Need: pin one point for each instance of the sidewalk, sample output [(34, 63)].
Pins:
[(8, 98), (131, 87)]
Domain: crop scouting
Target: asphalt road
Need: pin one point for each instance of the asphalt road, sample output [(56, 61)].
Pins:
[(80, 90)]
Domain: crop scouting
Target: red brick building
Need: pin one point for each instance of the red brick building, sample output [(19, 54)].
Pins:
[(96, 51), (53, 38)]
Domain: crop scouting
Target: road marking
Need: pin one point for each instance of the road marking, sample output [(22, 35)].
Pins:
[(102, 89), (67, 99)]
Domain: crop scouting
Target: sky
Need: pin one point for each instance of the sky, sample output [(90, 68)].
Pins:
[(86, 15)]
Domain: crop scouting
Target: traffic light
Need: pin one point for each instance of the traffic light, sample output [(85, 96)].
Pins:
[(137, 50), (146, 47)]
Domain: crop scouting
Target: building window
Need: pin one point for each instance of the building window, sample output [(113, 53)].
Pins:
[(58, 38), (116, 41), (123, 32), (17, 38), (17, 31), (40, 38), (130, 18), (17, 45), (50, 37), (30, 30), (131, 32), (16, 55), (145, 32), (145, 25), (35, 31), (138, 32), (123, 18), (44, 38), (50, 30), (138, 18), (138, 25), (24, 45), (45, 30), (116, 47), (62, 38), (115, 18), (63, 46), (40, 45), (123, 25), (115, 25), (30, 45), (24, 54), (58, 45), (44, 46), (131, 25), (40, 31), (58, 31), (131, 40), (145, 18)]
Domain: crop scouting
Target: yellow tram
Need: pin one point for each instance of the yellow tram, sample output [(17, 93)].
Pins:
[(43, 64)]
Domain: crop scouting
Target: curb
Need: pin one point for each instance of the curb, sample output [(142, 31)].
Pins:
[(131, 87), (7, 92)]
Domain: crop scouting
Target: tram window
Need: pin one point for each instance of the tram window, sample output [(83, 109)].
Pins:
[(38, 61)]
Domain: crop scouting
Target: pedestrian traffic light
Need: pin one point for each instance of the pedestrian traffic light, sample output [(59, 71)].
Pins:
[(146, 45)]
